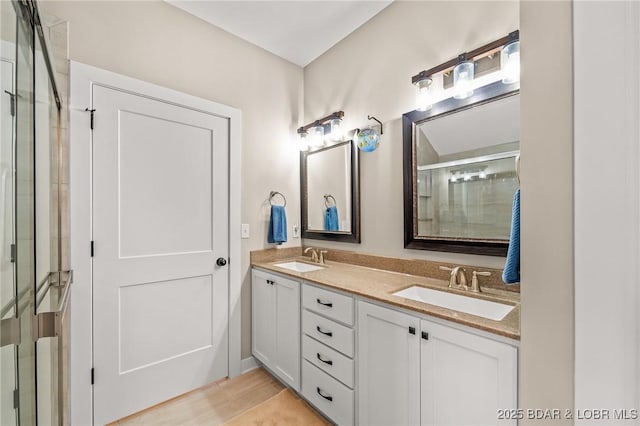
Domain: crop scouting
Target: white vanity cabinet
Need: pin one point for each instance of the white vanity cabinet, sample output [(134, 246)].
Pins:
[(276, 325), (465, 378), (328, 350), (414, 371), (388, 366)]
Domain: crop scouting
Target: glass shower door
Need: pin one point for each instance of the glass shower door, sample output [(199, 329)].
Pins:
[(9, 330)]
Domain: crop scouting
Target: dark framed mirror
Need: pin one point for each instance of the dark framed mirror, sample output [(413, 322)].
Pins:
[(330, 193), (460, 173)]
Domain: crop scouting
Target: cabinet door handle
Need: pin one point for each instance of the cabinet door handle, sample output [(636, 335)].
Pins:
[(326, 333), (327, 304), (326, 361), (327, 397), (425, 335), (412, 330), (270, 282)]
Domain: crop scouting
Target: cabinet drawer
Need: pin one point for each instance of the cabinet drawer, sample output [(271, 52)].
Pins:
[(328, 332), (331, 397), (328, 303), (329, 360)]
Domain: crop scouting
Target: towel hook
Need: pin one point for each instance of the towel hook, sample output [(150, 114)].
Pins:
[(326, 200), (273, 194), (371, 117)]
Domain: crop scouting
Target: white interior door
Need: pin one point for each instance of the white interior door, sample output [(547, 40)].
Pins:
[(160, 221)]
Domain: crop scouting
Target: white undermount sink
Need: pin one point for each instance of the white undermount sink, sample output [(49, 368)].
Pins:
[(298, 266), (470, 305)]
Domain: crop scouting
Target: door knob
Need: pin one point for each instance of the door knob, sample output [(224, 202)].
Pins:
[(221, 261)]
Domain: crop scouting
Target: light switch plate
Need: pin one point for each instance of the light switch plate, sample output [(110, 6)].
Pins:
[(296, 231), (245, 230)]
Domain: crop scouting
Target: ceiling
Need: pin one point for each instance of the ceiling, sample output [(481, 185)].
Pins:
[(298, 31)]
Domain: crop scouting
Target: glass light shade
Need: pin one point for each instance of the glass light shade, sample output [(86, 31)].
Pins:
[(303, 141), (336, 129), (510, 62), (463, 75), (423, 94), (316, 136)]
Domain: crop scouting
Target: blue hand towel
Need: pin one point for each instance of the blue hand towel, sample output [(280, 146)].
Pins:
[(277, 226), (331, 219), (511, 273)]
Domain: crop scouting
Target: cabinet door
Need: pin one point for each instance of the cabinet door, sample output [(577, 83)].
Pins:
[(388, 367), (465, 378), (287, 314), (263, 317)]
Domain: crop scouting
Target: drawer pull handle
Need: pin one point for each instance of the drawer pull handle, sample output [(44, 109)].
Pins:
[(327, 304), (326, 361), (327, 397), (326, 333), (270, 282)]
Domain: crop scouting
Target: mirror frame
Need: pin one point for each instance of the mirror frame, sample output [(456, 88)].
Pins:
[(354, 235), (410, 120)]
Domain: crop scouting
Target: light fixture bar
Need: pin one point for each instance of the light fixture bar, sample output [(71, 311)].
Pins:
[(471, 56), (321, 121)]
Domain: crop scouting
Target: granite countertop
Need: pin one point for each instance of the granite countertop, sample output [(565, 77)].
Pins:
[(380, 285)]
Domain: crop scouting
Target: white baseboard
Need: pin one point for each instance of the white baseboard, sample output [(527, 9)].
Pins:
[(248, 364)]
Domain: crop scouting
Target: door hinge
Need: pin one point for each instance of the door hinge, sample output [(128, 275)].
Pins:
[(13, 251), (92, 375), (91, 248), (412, 330), (9, 331), (16, 399), (92, 111), (12, 100)]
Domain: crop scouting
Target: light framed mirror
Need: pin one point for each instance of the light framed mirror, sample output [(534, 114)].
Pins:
[(460, 173), (330, 193)]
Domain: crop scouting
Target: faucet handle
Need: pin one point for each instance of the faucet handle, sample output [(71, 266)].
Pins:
[(321, 260), (475, 284)]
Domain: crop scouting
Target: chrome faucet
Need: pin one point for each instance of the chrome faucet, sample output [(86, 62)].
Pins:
[(314, 254), (458, 279)]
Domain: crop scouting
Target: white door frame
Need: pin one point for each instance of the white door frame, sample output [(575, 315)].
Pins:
[(83, 77)]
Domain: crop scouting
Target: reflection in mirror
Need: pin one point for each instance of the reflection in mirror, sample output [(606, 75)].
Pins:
[(329, 192), (460, 175), (466, 171), (328, 183)]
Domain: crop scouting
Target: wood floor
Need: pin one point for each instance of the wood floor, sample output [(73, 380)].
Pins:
[(213, 404)]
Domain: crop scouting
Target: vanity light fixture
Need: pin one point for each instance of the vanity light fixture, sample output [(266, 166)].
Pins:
[(303, 141), (337, 134), (316, 136), (423, 92), (464, 70), (463, 75), (314, 133), (510, 59)]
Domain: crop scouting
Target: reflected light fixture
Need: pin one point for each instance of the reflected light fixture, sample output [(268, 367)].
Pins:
[(482, 174), (463, 75), (510, 60), (423, 92)]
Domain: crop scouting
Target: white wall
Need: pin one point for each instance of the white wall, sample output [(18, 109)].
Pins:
[(607, 209), (156, 42), (369, 73), (546, 175)]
